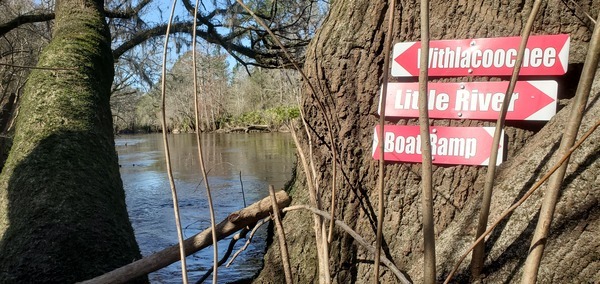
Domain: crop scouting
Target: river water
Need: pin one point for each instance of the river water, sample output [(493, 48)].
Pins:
[(256, 159)]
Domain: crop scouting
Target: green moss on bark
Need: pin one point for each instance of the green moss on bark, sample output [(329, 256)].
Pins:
[(63, 216)]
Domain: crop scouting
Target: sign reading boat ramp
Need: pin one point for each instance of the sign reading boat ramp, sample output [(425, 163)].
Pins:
[(544, 55), (531, 100), (449, 145)]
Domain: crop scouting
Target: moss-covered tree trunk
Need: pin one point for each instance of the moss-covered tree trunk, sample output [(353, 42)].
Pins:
[(345, 62), (63, 216)]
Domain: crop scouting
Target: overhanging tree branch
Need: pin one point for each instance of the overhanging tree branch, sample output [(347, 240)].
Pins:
[(259, 52), (265, 59), (24, 19), (127, 13), (44, 17)]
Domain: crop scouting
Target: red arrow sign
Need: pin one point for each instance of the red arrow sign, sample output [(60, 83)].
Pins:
[(449, 145), (544, 55), (531, 100)]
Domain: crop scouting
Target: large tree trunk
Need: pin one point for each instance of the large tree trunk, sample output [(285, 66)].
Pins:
[(63, 216), (345, 61)]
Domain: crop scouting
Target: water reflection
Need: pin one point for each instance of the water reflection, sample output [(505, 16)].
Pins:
[(262, 159)]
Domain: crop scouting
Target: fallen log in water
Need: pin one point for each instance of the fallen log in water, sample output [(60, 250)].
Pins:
[(234, 222), (249, 128)]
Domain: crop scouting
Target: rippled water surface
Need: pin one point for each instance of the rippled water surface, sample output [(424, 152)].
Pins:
[(257, 159)]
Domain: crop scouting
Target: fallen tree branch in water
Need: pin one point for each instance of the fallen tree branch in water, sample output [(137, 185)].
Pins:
[(234, 222), (246, 129)]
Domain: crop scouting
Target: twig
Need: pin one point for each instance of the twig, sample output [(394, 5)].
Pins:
[(478, 258), (248, 240), (389, 264), (233, 223), (538, 242), (285, 258), (429, 273), (381, 179), (314, 199), (200, 154), (583, 11), (236, 237), (317, 203), (168, 153), (243, 193), (525, 196)]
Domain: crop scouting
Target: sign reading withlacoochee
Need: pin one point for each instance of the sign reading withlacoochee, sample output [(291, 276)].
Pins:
[(544, 55), (531, 100), (449, 145)]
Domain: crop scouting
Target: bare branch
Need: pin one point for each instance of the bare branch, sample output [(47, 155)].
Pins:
[(24, 19), (285, 258), (266, 59), (248, 239), (127, 13), (44, 17), (264, 52), (234, 240), (381, 177)]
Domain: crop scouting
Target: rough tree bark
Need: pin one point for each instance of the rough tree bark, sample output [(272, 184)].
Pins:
[(62, 205), (345, 61)]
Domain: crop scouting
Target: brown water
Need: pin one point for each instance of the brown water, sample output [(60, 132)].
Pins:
[(262, 159)]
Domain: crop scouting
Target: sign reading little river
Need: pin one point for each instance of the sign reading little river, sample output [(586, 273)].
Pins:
[(531, 100)]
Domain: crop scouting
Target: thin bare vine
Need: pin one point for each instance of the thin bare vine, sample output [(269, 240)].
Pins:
[(429, 273), (314, 198), (168, 153), (381, 180), (200, 154), (508, 211), (322, 245), (285, 258), (587, 15), (479, 252), (322, 249), (538, 242)]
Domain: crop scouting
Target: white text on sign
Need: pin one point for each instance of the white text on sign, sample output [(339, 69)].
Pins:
[(459, 147), (465, 100), (449, 145), (544, 55), (531, 100), (487, 58)]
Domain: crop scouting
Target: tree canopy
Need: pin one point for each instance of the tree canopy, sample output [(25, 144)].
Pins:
[(224, 23)]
